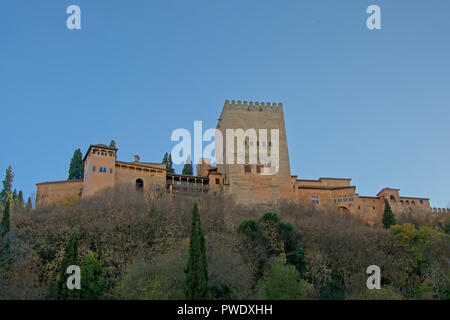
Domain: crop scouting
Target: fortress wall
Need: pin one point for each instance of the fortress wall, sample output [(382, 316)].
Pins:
[(370, 209), (58, 191), (413, 203), (326, 198), (440, 210)]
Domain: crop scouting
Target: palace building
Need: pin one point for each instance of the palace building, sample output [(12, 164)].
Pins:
[(244, 182)]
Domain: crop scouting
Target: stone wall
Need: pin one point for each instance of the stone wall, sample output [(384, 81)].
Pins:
[(58, 191)]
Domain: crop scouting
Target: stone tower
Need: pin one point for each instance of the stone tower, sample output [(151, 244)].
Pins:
[(250, 182), (99, 169)]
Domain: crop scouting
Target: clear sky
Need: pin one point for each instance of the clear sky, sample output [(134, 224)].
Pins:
[(372, 105)]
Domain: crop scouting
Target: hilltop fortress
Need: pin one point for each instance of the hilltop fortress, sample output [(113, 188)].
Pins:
[(245, 182)]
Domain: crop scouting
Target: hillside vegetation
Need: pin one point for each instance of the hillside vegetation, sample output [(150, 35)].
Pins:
[(136, 246)]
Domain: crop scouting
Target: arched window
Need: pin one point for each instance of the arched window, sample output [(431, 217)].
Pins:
[(139, 184), (392, 198)]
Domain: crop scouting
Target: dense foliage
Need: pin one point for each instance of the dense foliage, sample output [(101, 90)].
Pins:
[(137, 246), (59, 290)]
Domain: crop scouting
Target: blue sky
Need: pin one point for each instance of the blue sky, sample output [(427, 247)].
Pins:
[(372, 105)]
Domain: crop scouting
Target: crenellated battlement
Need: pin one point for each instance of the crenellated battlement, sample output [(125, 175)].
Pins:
[(440, 210), (253, 106)]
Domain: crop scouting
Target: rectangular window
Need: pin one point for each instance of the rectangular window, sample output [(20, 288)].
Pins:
[(217, 181), (158, 187), (315, 200), (258, 168), (247, 168), (110, 170), (93, 169)]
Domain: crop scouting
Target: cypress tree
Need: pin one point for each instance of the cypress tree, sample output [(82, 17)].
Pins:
[(388, 215), (7, 184), (188, 169), (112, 144), (167, 160), (14, 199), (29, 205), (169, 164), (70, 258), (20, 202), (196, 286), (76, 168), (4, 232)]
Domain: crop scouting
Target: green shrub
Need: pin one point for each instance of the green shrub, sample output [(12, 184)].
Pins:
[(282, 282), (251, 229), (272, 216)]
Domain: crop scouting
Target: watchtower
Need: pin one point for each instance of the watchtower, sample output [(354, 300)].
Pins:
[(255, 182), (99, 168)]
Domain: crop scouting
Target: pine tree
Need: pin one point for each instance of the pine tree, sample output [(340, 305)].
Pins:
[(196, 286), (4, 232), (76, 169), (188, 169), (112, 144), (29, 205), (7, 184), (388, 215), (61, 292)]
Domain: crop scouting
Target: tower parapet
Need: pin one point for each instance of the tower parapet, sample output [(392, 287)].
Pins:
[(253, 106)]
